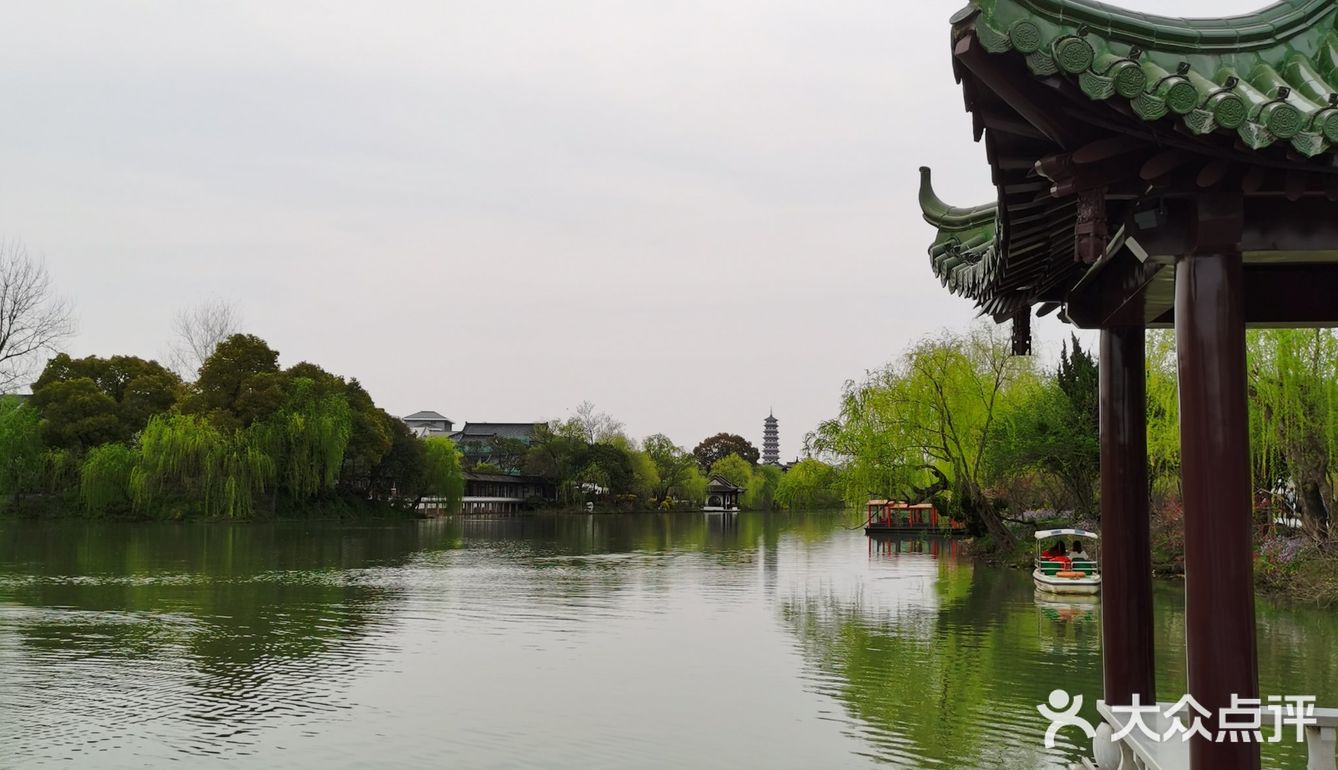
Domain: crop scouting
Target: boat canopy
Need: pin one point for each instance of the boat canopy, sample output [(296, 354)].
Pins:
[(1042, 534)]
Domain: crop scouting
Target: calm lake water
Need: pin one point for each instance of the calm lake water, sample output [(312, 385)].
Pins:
[(670, 641)]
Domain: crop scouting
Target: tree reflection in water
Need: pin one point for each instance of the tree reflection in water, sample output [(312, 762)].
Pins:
[(223, 626)]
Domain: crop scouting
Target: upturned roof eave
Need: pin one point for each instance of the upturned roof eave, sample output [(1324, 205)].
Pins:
[(1265, 81)]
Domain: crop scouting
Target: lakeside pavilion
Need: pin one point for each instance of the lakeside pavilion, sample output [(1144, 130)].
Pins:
[(1157, 172)]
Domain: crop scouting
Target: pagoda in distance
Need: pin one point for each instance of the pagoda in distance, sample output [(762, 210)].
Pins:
[(771, 440)]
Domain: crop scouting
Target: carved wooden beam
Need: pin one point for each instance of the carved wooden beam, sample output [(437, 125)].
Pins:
[(1213, 173), (1110, 147), (1283, 295), (1163, 163), (1113, 296), (1089, 229)]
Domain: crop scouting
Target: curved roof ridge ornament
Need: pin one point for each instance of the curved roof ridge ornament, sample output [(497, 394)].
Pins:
[(945, 217)]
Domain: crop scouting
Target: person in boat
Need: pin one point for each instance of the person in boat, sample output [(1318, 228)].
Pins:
[(1058, 553), (1078, 554)]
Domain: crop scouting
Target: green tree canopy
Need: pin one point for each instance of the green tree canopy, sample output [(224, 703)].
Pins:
[(240, 382), (20, 447), (442, 473), (104, 479), (306, 437), (692, 487), (733, 469), (89, 401), (922, 426), (809, 485), (673, 466), (1294, 419), (1048, 432), (645, 476), (615, 463), (189, 465), (721, 445), (761, 492), (371, 432), (400, 476), (76, 414)]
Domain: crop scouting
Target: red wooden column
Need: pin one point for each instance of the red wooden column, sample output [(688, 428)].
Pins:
[(1126, 551), (1219, 584)]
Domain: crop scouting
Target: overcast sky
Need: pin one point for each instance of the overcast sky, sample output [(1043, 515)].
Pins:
[(686, 212)]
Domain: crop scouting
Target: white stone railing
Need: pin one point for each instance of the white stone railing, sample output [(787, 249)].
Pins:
[(1136, 751)]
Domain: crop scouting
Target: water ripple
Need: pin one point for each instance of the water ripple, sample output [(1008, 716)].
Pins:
[(657, 641)]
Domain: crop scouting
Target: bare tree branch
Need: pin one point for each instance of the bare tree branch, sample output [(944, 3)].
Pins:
[(33, 320), (596, 426), (197, 331)]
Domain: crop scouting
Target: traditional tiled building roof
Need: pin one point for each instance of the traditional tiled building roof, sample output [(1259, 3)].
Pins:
[(425, 415), (722, 484), (523, 431), (1267, 76), (1090, 114)]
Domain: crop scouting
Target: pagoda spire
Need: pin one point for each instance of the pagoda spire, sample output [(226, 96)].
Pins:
[(771, 439)]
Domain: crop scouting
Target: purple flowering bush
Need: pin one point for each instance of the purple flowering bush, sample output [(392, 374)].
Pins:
[(1284, 552)]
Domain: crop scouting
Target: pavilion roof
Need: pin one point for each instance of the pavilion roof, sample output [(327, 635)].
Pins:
[(722, 484), (1075, 99), (1268, 76)]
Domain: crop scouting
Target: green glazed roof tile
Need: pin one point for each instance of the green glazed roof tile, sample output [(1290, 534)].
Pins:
[(1326, 123), (1308, 142), (1149, 106), (963, 256), (1042, 63), (1268, 78), (1305, 80), (1200, 121), (1270, 75), (1254, 135)]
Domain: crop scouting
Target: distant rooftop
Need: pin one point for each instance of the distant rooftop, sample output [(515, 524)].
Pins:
[(502, 478), (426, 415), (503, 429), (722, 484)]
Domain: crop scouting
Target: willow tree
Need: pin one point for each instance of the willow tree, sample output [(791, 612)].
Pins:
[(20, 448), (761, 493), (104, 478), (922, 426), (1293, 387), (866, 438), (185, 457), (443, 475), (1294, 418), (305, 439), (692, 486), (808, 485), (1163, 412)]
